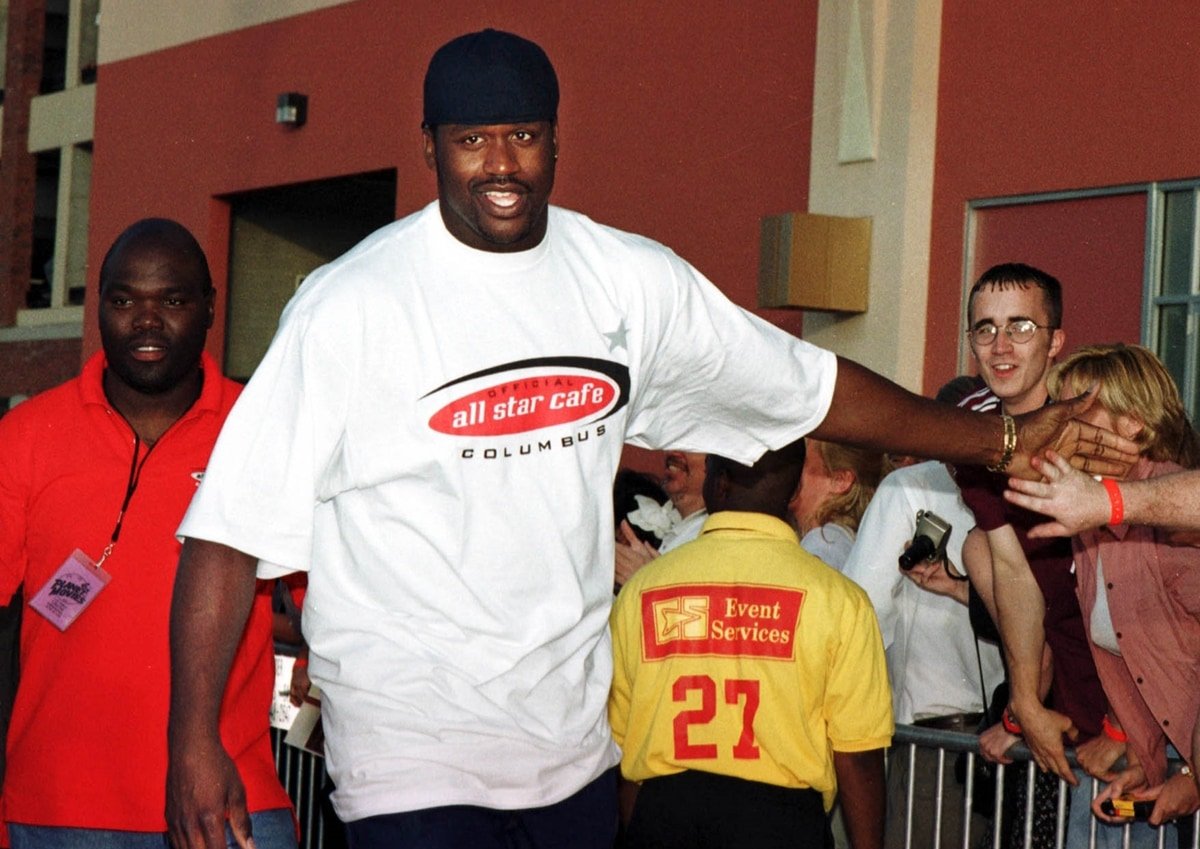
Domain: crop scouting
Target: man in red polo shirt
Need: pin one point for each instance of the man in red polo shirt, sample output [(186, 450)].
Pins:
[(95, 476)]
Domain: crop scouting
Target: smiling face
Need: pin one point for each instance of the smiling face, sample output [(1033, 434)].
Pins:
[(684, 481), (155, 310), (494, 181), (1015, 372)]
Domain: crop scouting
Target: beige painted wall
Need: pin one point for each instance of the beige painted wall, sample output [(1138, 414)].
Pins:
[(874, 122), (134, 27)]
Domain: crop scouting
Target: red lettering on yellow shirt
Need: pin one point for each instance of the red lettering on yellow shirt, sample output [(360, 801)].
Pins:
[(726, 620)]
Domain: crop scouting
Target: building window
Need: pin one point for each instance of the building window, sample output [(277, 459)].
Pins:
[(60, 223), (1173, 293), (69, 48), (1128, 258)]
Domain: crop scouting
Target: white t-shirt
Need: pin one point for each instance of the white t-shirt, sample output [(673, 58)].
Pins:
[(685, 530), (831, 542), (930, 645), (433, 435)]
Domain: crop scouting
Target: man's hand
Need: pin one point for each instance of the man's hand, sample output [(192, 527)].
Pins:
[(301, 683), (1127, 782), (1097, 756), (1087, 447), (1076, 501), (203, 789), (1176, 797), (632, 554), (933, 577), (995, 742), (1043, 730)]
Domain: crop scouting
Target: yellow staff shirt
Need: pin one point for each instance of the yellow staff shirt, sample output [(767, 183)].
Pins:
[(743, 655)]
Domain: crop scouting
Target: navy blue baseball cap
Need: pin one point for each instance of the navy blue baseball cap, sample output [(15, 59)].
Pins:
[(490, 77)]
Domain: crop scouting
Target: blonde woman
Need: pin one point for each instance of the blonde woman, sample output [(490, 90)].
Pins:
[(835, 488), (1140, 592)]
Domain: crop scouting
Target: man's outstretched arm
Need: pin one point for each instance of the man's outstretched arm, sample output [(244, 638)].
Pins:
[(871, 411), (214, 589)]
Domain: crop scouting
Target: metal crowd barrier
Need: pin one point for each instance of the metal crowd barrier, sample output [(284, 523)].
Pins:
[(948, 744), (303, 776)]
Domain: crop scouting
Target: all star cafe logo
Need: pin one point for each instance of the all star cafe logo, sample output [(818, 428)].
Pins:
[(529, 395)]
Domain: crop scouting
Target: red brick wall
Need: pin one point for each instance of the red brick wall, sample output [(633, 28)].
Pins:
[(1036, 97), (685, 121), (23, 72), (27, 368)]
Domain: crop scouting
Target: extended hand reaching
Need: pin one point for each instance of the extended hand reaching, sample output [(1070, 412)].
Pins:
[(1087, 447), (1073, 499)]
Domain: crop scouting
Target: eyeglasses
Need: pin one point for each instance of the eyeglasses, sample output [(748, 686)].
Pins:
[(1019, 332)]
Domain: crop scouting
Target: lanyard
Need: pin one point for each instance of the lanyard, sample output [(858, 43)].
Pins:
[(135, 475)]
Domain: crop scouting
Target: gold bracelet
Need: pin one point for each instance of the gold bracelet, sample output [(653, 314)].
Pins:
[(1010, 443)]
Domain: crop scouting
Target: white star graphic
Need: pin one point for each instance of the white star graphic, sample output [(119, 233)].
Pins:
[(616, 339)]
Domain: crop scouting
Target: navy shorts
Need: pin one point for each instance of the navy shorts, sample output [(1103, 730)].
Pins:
[(587, 820)]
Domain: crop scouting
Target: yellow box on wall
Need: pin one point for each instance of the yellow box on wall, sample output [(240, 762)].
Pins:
[(815, 262)]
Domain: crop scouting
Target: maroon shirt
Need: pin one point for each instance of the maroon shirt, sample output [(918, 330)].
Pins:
[(1075, 689)]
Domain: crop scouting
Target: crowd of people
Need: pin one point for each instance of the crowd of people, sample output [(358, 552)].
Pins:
[(1115, 654), (436, 456)]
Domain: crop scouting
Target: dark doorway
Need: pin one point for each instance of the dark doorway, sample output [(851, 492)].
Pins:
[(278, 236)]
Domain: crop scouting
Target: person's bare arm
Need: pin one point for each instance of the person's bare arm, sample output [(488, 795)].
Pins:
[(1097, 756), (214, 589), (911, 424), (1077, 502), (977, 560), (995, 742), (861, 792), (1021, 609)]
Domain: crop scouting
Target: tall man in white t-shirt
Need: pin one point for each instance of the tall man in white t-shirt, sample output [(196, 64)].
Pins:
[(433, 436)]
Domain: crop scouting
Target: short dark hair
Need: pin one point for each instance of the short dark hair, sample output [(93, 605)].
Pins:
[(954, 390), (163, 230), (1018, 275), (765, 487)]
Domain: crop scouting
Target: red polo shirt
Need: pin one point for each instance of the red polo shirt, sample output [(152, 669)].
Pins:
[(87, 747)]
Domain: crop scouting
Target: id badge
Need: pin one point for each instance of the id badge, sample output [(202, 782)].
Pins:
[(70, 590)]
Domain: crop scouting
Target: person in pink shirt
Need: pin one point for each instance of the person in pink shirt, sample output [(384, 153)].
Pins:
[(1139, 589)]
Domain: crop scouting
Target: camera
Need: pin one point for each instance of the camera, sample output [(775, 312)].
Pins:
[(928, 542)]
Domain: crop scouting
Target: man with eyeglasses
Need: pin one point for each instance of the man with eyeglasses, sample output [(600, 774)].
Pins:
[(1014, 316)]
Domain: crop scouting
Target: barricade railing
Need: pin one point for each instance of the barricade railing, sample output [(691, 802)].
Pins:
[(950, 744), (303, 776)]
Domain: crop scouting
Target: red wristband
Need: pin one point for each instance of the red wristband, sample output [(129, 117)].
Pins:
[(1112, 732), (1010, 723), (301, 662), (1115, 501)]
